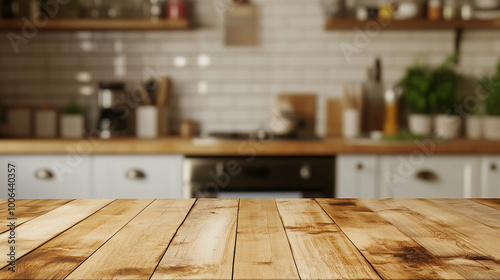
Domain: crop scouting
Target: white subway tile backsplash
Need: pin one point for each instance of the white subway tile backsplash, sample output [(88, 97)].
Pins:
[(239, 84)]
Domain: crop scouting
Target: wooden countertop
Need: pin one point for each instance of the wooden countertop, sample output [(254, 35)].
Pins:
[(254, 239), (202, 147)]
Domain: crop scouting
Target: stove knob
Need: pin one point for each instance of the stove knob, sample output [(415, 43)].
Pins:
[(305, 171)]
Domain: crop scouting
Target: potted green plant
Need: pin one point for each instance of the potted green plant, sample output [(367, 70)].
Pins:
[(444, 97), (416, 86), (491, 124), (72, 121)]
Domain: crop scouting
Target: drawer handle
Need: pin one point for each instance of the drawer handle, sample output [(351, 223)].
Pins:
[(135, 174), (427, 175), (493, 167), (44, 174), (359, 166)]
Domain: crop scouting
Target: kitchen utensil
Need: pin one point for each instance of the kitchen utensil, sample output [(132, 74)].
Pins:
[(241, 26), (45, 122), (304, 107), (334, 118), (163, 93), (145, 98), (283, 121)]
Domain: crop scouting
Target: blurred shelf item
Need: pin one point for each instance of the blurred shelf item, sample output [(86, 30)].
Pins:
[(411, 24), (96, 24)]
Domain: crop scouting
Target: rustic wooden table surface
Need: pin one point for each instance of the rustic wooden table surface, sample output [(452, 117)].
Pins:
[(253, 239)]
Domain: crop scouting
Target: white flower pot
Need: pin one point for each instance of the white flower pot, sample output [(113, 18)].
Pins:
[(447, 126), (420, 124), (491, 128), (72, 126), (474, 127)]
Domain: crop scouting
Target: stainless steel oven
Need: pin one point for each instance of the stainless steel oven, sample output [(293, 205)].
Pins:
[(259, 177)]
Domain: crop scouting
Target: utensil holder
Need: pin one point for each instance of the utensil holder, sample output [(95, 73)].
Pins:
[(151, 121)]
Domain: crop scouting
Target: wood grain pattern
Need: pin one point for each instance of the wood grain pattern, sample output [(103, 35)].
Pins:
[(258, 239), (188, 147), (30, 209), (39, 230), (320, 249), (139, 246), (100, 24), (392, 254), (203, 247), (60, 256), (477, 211), (262, 249), (494, 203), (334, 118), (443, 241)]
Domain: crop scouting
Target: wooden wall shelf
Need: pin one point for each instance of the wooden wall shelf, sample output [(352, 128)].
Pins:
[(414, 24), (100, 24)]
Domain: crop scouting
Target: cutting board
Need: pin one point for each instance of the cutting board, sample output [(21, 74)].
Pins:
[(305, 108), (334, 118)]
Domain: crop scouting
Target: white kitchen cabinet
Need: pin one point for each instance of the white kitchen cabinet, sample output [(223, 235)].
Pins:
[(490, 177), (420, 176), (137, 176), (48, 176), (357, 176)]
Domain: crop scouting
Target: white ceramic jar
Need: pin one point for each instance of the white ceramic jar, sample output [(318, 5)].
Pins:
[(447, 126), (420, 124), (72, 126)]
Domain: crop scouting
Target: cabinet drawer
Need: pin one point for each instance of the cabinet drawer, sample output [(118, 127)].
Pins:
[(357, 176), (490, 174), (137, 176), (49, 177), (414, 176)]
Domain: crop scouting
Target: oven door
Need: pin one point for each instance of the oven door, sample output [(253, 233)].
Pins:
[(270, 177)]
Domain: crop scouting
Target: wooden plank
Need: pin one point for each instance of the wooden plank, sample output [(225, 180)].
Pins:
[(333, 118), (320, 249), (100, 24), (32, 209), (61, 255), (262, 249), (203, 247), (477, 211), (413, 24), (440, 239), (134, 252), (494, 203), (304, 105), (39, 230), (392, 254)]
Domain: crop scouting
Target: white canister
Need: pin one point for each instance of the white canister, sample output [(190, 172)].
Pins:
[(19, 122), (72, 126), (45, 123), (151, 122), (474, 127), (447, 126), (491, 127), (351, 123), (420, 124), (147, 122)]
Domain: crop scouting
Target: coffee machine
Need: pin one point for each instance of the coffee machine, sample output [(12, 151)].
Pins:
[(112, 109)]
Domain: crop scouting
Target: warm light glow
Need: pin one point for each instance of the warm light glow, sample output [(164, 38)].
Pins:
[(180, 61), (204, 60)]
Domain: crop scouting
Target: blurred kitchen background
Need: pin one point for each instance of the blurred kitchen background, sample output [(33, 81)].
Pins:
[(308, 70)]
